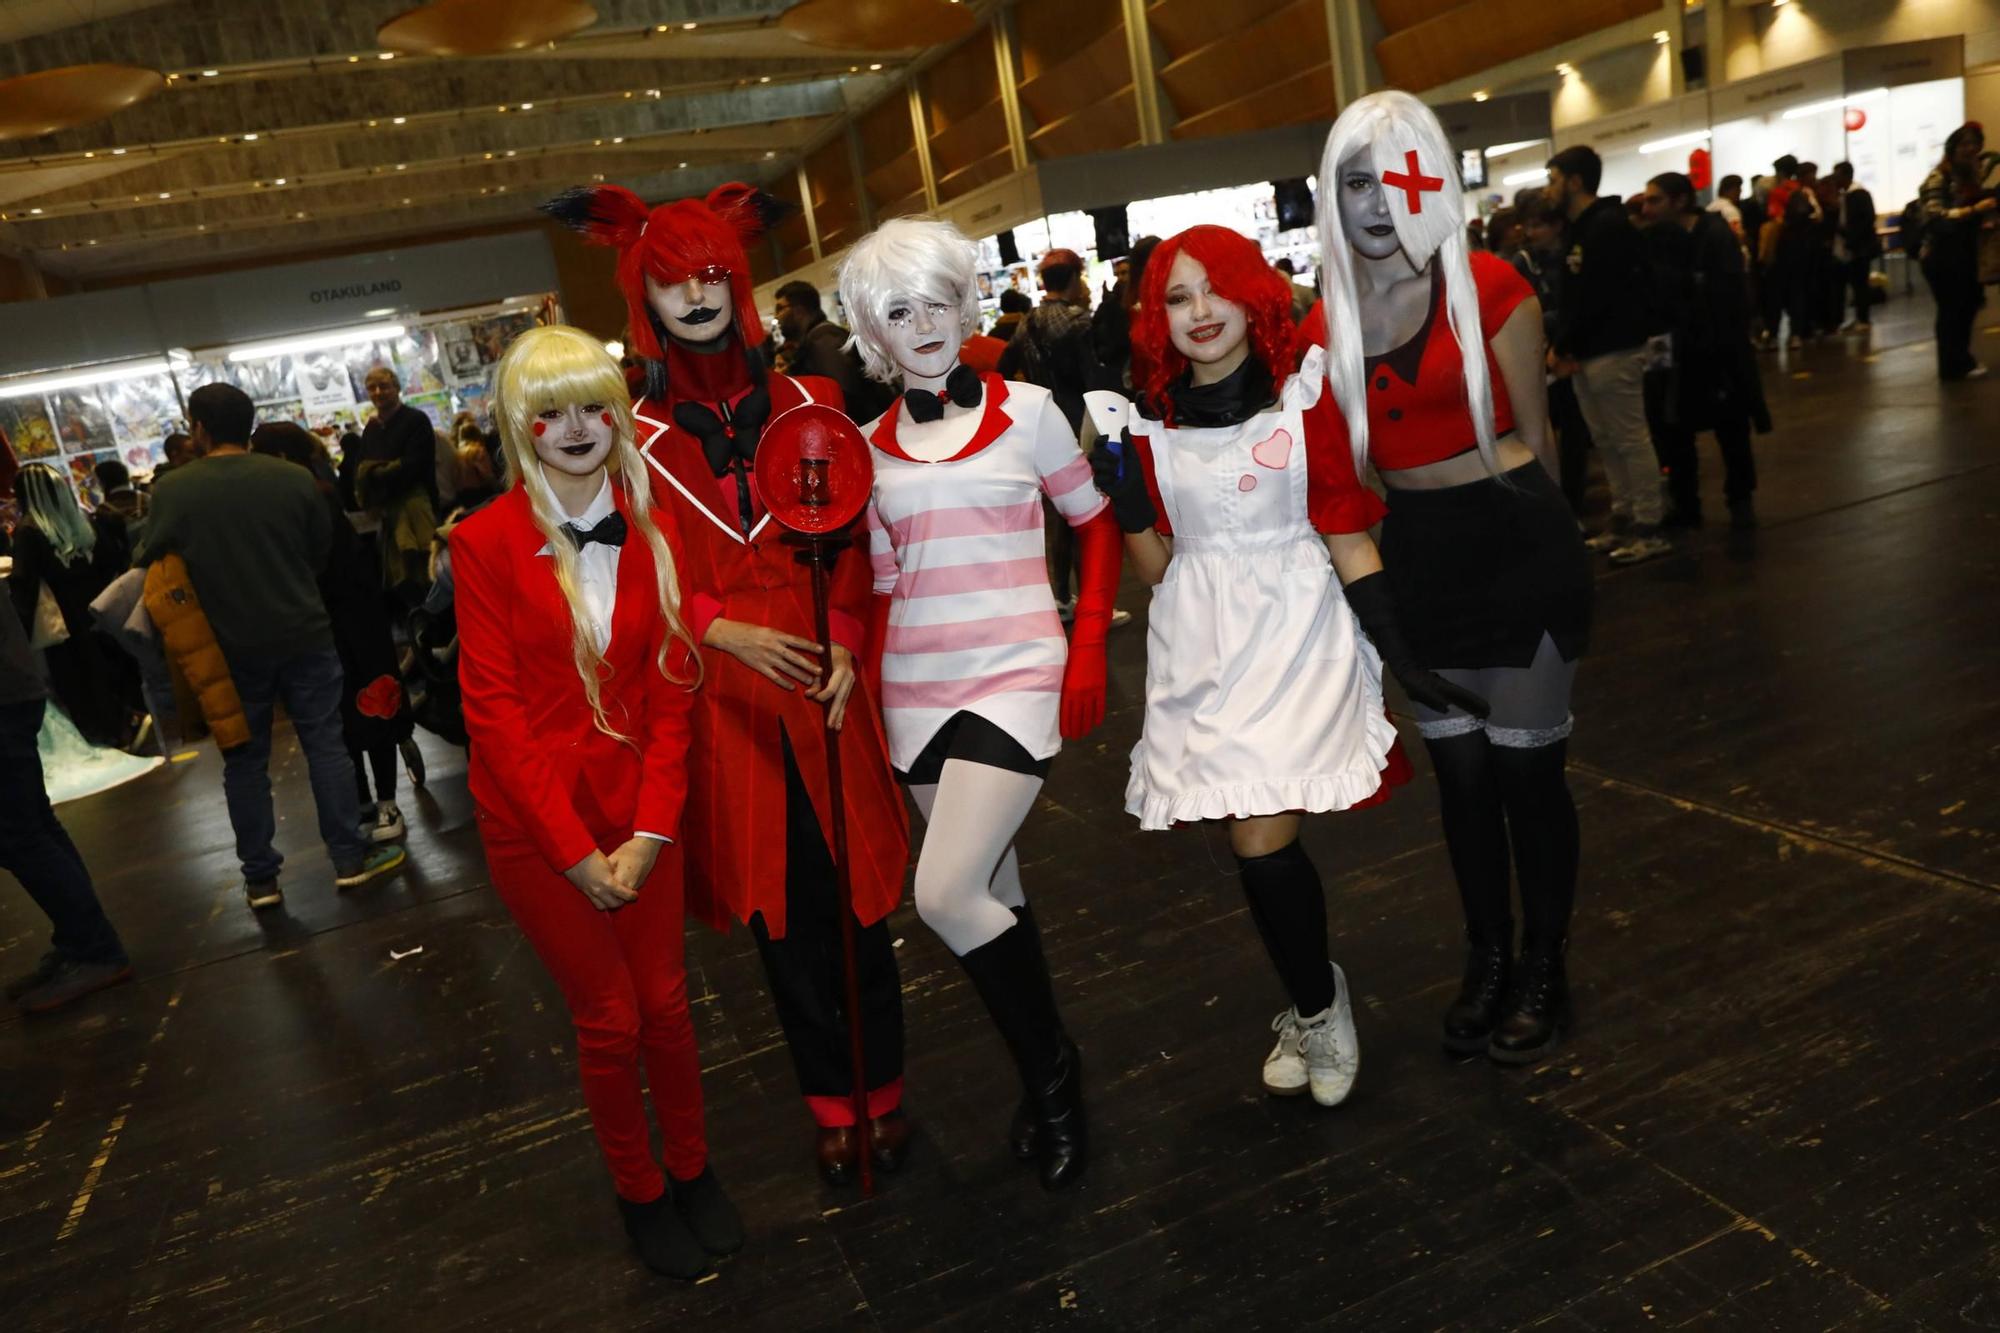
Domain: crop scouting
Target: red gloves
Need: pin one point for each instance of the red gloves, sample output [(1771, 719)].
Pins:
[(1099, 549)]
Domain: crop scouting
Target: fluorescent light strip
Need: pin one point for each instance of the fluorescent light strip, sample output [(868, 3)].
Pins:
[(1834, 104), (77, 379), (1501, 148), (312, 342), (1674, 141), (1539, 174)]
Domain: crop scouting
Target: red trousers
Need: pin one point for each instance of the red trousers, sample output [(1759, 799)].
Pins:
[(623, 974)]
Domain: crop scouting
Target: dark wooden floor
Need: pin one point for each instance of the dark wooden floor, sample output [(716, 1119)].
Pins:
[(1782, 1108)]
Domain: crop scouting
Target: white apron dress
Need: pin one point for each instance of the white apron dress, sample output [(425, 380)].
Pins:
[(1262, 694)]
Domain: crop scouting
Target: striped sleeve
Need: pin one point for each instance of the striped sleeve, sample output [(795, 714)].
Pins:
[(1064, 471), (881, 554)]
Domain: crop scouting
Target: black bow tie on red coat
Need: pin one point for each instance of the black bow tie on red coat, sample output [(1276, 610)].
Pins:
[(610, 530), (961, 386), (726, 441)]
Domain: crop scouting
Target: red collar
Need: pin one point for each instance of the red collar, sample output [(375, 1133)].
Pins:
[(993, 423), (707, 377)]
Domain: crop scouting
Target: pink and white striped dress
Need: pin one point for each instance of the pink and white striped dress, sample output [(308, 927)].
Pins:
[(957, 546)]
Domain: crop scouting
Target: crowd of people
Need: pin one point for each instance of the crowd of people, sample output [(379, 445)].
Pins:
[(632, 653)]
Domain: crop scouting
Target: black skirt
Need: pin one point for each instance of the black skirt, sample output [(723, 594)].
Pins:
[(1482, 571)]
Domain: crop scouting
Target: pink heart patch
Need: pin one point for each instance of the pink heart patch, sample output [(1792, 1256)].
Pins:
[(1246, 482), (1275, 452)]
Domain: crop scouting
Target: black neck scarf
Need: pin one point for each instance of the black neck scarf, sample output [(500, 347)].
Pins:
[(1231, 400)]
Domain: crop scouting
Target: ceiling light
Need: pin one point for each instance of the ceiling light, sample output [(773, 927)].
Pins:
[(510, 152), (354, 60), (397, 120), (210, 73), (684, 166), (688, 27), (876, 65), (618, 139), (118, 152), (92, 241), (166, 194), (406, 201), (500, 189), (615, 348), (201, 226), (1675, 141), (312, 342), (1565, 69), (90, 154), (377, 314), (1834, 104), (1501, 149), (1481, 96), (34, 210), (154, 365), (386, 55), (770, 152), (1662, 37), (300, 216), (527, 106), (1537, 177), (249, 138), (663, 27), (402, 166), (765, 79), (279, 181)]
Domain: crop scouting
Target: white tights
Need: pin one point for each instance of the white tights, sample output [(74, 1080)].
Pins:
[(968, 877)]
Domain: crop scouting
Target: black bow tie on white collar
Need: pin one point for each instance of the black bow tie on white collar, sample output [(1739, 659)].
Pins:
[(610, 530), (961, 386)]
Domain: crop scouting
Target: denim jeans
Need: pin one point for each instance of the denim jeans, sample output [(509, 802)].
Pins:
[(309, 684), (36, 849)]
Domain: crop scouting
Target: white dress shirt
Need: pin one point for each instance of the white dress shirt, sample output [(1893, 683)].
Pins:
[(597, 584)]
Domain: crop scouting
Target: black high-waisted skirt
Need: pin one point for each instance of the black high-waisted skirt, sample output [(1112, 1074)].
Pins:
[(1482, 571)]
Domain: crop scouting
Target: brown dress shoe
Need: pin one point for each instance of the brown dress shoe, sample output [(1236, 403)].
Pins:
[(889, 1140), (837, 1155)]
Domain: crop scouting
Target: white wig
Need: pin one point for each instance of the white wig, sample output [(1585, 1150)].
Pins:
[(906, 259), (1387, 126)]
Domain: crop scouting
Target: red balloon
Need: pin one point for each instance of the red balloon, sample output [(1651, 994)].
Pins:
[(1855, 118), (813, 469), (1701, 168)]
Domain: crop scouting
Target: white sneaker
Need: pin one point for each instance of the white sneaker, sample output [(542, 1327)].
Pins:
[(1320, 1054), (1641, 549), (1332, 1052), (1285, 1067), (388, 825), (1120, 618), (1605, 541)]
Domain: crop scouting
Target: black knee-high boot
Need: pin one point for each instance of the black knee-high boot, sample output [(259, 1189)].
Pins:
[(1541, 820), (1024, 1135), (1289, 907), (1012, 978), (1475, 835)]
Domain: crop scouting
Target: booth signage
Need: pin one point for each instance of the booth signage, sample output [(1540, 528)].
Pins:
[(1778, 91), (1904, 63)]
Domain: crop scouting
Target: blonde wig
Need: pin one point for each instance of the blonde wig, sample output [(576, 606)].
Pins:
[(552, 368), (1385, 127), (906, 259)]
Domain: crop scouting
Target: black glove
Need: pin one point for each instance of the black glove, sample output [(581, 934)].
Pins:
[(1115, 468), (1375, 608)]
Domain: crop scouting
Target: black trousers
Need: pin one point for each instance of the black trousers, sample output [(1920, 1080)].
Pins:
[(1954, 283), (1680, 456), (1573, 443), (35, 848), (1855, 274), (808, 985)]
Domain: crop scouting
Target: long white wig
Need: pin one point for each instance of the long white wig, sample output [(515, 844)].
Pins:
[(906, 259), (1386, 126)]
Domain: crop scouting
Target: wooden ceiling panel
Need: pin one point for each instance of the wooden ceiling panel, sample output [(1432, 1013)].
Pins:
[(1285, 42), (1188, 25), (1396, 15), (1049, 32), (1306, 96), (1483, 33), (971, 139), (972, 175), (1110, 124), (961, 84), (1089, 74)]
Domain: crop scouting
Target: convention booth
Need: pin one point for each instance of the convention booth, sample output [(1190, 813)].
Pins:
[(107, 374)]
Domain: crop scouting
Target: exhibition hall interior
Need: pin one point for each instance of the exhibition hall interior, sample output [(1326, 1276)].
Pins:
[(999, 664)]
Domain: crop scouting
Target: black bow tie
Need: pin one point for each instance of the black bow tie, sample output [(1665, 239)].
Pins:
[(730, 438), (961, 386), (610, 530)]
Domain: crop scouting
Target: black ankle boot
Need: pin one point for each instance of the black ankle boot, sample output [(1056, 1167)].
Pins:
[(711, 1218), (1063, 1139), (1012, 978), (1538, 1011), (662, 1240), (1482, 999)]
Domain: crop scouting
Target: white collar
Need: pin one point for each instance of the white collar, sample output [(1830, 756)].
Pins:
[(593, 513)]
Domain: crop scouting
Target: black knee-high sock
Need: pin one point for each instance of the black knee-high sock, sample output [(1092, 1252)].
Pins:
[(1289, 908), (1541, 819), (383, 760), (1475, 833)]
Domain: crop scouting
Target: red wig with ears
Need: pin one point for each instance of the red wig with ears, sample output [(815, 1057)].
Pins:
[(1237, 272), (672, 242)]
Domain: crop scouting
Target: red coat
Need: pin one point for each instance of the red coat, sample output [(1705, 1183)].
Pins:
[(736, 807), (540, 766)]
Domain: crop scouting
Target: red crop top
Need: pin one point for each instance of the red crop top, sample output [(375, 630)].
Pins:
[(1417, 412)]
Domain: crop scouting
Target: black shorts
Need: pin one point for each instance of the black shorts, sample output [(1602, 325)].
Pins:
[(1482, 571), (970, 737)]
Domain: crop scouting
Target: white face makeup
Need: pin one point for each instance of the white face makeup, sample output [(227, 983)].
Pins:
[(574, 440), (923, 337), (696, 310), (1209, 330), (1364, 209)]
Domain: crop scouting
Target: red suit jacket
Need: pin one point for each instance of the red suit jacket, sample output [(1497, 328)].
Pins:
[(736, 804), (540, 766)]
